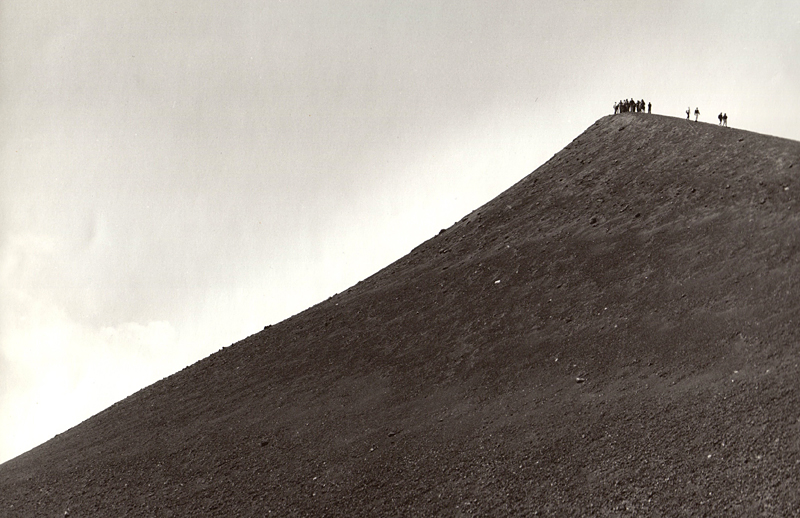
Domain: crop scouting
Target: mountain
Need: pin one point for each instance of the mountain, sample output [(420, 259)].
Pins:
[(614, 335)]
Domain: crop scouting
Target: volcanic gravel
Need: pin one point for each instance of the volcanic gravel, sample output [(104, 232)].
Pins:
[(615, 335)]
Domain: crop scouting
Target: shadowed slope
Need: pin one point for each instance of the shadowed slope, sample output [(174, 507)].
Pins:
[(615, 334)]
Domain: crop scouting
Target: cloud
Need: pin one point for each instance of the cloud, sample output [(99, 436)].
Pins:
[(58, 369), (58, 372)]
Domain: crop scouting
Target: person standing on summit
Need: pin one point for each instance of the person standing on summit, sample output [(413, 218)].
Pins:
[(696, 113), (688, 111)]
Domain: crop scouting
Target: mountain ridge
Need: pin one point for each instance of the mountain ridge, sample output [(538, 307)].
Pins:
[(614, 334)]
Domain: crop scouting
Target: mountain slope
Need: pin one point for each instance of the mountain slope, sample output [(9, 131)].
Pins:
[(614, 335)]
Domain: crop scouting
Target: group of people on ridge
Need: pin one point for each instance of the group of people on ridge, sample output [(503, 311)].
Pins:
[(723, 117), (629, 105)]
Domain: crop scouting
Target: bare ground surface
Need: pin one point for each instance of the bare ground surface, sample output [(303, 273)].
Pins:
[(615, 335)]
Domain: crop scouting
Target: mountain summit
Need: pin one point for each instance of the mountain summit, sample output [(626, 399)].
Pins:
[(616, 334)]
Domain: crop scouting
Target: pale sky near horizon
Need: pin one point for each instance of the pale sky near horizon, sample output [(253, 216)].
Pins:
[(176, 175)]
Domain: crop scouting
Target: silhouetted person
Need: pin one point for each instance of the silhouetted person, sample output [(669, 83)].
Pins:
[(688, 112), (616, 109), (725, 119), (649, 107), (720, 118), (696, 114)]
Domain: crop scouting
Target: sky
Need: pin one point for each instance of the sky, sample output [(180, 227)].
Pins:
[(175, 175)]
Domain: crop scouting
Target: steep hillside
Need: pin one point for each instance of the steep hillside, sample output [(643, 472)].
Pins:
[(614, 335)]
